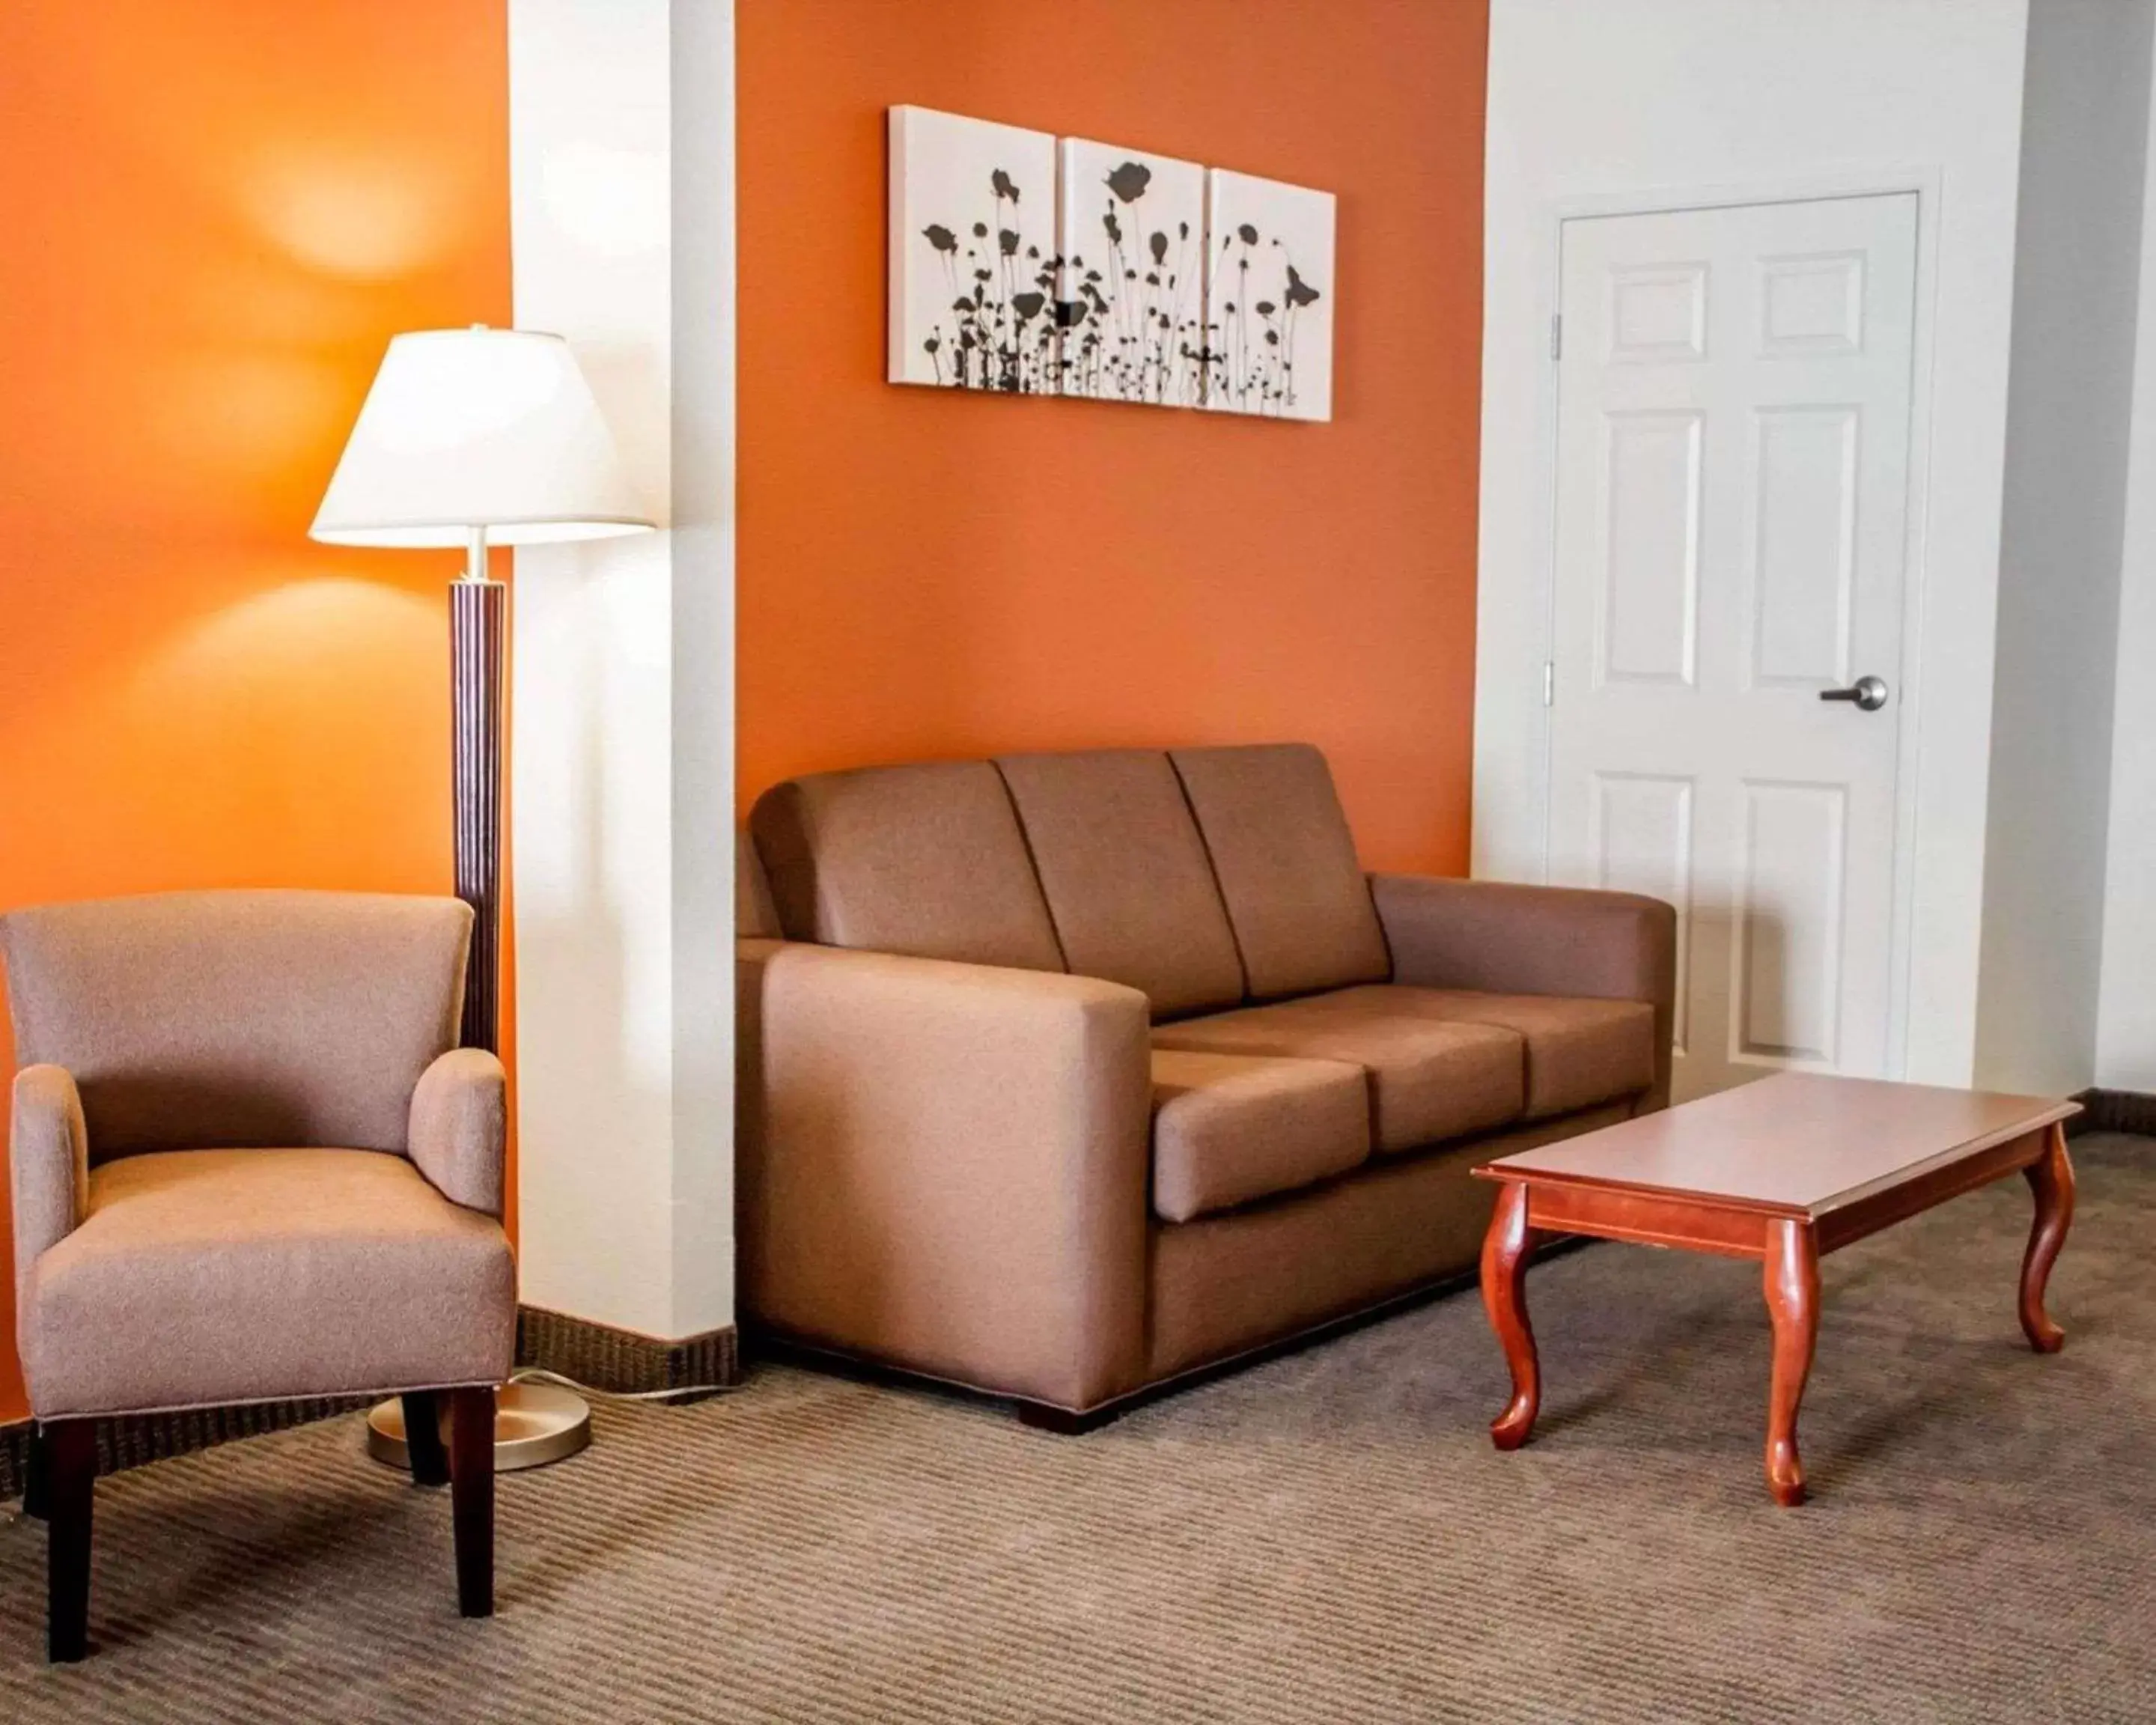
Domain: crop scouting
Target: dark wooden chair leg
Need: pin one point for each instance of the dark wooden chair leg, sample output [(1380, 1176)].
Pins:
[(471, 1497), (423, 1438), (37, 1496), (71, 1476)]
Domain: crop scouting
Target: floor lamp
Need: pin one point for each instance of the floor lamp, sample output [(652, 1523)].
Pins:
[(472, 438)]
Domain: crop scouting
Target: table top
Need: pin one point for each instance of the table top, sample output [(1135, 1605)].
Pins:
[(1797, 1143)]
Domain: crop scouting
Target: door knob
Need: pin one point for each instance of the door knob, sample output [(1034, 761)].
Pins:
[(1869, 693)]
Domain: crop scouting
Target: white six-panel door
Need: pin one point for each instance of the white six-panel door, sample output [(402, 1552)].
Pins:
[(1733, 408)]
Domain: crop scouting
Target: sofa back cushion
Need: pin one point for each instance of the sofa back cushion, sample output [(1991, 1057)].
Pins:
[(1126, 875), (239, 1020), (1285, 862), (755, 917), (925, 861)]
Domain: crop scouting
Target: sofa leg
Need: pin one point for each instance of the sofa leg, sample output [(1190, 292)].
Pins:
[(471, 1497), (70, 1482), (1046, 1416), (423, 1437)]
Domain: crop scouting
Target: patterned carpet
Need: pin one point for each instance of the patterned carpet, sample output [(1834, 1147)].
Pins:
[(1328, 1538)]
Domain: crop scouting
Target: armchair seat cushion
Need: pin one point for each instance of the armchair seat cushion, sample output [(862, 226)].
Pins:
[(1429, 1077), (1229, 1129), (1579, 1052), (203, 1277)]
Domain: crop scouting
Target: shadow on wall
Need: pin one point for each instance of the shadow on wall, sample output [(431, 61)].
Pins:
[(221, 210), (590, 938)]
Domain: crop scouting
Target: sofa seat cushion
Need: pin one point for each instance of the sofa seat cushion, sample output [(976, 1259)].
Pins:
[(1429, 1077), (201, 1277), (1231, 1128), (1579, 1052)]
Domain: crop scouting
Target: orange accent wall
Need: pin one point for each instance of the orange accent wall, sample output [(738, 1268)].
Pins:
[(926, 573), (216, 213)]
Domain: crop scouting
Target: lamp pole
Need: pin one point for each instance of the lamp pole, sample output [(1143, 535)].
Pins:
[(478, 611)]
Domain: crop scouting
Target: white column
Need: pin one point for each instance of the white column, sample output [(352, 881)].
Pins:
[(2126, 1021), (621, 728), (2078, 279)]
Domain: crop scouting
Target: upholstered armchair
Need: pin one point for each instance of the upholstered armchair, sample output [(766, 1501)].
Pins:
[(249, 1165)]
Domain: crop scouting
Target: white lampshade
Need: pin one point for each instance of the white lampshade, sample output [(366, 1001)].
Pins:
[(478, 428)]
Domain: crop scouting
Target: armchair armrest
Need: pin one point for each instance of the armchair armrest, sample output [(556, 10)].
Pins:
[(458, 1126), (49, 1163), (946, 1165), (1509, 939)]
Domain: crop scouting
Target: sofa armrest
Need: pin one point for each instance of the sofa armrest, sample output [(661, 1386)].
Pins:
[(48, 1165), (946, 1165), (1509, 939), (458, 1128)]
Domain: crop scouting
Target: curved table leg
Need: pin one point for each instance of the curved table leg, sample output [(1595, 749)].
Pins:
[(1792, 1288), (2051, 1178), (1506, 1250)]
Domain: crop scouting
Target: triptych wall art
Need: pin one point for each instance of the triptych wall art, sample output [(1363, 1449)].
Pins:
[(1034, 265)]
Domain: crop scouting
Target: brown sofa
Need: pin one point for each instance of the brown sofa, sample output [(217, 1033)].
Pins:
[(1062, 1077)]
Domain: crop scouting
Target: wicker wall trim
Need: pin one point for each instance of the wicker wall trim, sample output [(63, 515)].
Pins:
[(2115, 1111), (134, 1438), (620, 1360), (590, 1353)]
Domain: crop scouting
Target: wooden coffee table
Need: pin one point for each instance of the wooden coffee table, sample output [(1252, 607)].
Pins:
[(1783, 1170)]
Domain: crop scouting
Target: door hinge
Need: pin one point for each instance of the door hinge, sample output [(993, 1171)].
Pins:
[(1557, 335), (1550, 682)]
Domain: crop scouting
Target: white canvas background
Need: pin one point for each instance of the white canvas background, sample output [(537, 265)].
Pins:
[(942, 168), (1294, 226), (1139, 334)]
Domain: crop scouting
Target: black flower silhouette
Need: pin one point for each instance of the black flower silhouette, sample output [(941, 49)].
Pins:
[(1253, 369), (1127, 329)]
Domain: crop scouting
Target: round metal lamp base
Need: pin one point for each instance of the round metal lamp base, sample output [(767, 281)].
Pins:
[(534, 1423)]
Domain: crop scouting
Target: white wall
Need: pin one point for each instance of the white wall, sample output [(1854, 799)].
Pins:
[(2076, 281), (1761, 98), (621, 121), (2126, 1025)]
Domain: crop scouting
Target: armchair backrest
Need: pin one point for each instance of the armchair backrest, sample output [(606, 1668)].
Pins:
[(239, 1018)]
